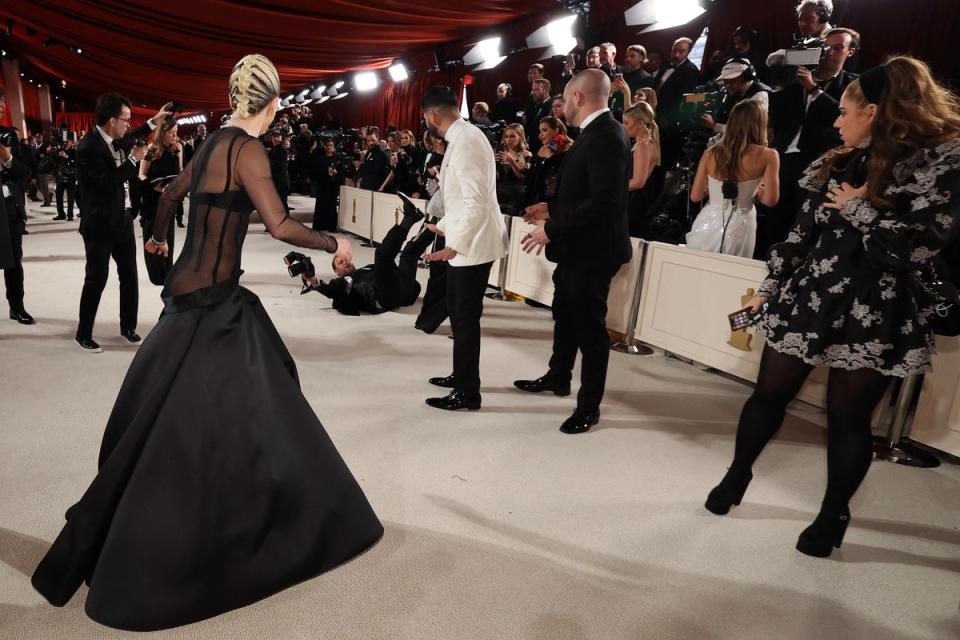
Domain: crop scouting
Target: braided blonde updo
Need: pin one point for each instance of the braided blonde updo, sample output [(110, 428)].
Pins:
[(254, 82)]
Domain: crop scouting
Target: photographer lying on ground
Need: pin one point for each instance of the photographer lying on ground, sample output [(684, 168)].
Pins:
[(378, 287)]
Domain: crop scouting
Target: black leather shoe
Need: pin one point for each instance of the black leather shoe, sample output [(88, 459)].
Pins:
[(88, 344), (824, 535), (22, 316), (131, 336), (729, 492), (580, 421), (543, 383), (59, 217), (455, 401), (411, 211), (447, 382)]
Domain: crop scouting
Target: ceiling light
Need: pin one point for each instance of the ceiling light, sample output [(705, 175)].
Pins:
[(398, 72)]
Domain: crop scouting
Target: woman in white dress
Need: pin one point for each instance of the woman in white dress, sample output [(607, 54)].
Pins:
[(732, 173)]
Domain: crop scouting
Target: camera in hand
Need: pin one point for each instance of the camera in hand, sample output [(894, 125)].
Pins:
[(784, 63), (493, 132), (299, 264), (9, 138)]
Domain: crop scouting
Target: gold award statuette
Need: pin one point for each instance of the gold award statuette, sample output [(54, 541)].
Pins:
[(354, 211), (741, 339)]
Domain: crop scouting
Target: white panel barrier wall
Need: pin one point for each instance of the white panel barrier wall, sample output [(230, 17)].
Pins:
[(356, 206)]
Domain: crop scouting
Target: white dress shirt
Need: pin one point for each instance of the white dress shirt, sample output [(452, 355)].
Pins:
[(590, 118), (472, 225), (119, 156), (6, 165)]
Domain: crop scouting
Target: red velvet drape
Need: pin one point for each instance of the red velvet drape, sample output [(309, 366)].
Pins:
[(85, 121), (5, 116)]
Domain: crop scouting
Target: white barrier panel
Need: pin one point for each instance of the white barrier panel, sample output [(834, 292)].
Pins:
[(356, 206), (687, 295), (621, 291), (937, 420), (387, 211), (528, 274)]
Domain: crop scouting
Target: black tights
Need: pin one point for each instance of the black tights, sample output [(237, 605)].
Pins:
[(851, 398)]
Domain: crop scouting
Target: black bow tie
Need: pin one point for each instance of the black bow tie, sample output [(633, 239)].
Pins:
[(116, 145)]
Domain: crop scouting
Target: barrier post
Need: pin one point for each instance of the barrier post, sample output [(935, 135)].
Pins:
[(369, 241), (894, 448), (628, 344), (502, 275)]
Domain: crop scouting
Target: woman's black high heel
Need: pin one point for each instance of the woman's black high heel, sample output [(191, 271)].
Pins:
[(729, 492), (824, 535)]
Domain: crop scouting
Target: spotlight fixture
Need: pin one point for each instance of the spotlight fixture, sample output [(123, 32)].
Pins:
[(485, 53), (318, 92), (398, 72), (336, 92), (557, 36), (663, 14), (365, 81), (302, 96)]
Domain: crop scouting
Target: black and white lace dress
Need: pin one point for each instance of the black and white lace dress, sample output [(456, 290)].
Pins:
[(843, 286)]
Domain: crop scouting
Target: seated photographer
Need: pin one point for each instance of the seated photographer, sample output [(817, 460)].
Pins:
[(382, 286), (802, 116), (645, 185), (513, 161), (732, 173), (327, 178), (739, 78)]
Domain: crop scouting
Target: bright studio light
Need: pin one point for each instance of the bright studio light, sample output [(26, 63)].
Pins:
[(317, 93), (490, 49), (365, 81), (398, 72), (663, 14), (560, 33), (485, 53)]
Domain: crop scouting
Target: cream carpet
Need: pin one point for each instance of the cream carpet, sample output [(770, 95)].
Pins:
[(497, 526)]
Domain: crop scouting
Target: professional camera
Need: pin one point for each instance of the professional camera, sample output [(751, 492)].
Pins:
[(705, 99), (299, 264), (784, 63), (494, 132), (9, 138)]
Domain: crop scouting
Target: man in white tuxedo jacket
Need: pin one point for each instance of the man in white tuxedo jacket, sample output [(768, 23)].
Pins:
[(475, 236)]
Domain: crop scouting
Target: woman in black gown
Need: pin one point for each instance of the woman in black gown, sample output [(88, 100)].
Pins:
[(164, 159), (327, 181), (217, 485)]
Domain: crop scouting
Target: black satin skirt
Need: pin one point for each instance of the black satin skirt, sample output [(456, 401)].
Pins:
[(217, 484)]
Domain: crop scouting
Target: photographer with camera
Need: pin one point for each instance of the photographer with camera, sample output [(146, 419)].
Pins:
[(14, 181), (802, 117), (739, 78), (64, 163)]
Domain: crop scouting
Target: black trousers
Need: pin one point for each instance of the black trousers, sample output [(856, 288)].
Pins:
[(465, 289), (396, 280), (124, 254), (434, 309), (774, 223), (580, 324), (68, 188), (13, 276)]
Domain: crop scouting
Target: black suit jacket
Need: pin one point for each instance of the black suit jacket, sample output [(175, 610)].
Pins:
[(100, 183), (588, 225), (12, 209), (279, 168), (531, 122), (359, 296), (817, 133), (684, 79)]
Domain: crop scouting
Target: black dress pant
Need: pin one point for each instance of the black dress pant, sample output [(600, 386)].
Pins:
[(396, 281), (124, 254), (68, 188), (465, 289), (580, 324), (434, 309), (774, 223), (13, 275)]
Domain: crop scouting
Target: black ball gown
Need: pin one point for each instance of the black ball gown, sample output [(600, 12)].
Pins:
[(217, 484)]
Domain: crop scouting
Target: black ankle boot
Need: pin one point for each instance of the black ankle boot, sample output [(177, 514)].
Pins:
[(729, 492), (824, 535)]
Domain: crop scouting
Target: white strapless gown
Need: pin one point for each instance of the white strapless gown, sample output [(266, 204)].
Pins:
[(726, 226)]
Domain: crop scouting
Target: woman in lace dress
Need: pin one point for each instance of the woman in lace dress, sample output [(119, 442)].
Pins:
[(844, 288), (217, 486)]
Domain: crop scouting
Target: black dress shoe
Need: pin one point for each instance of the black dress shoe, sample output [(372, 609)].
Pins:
[(729, 492), (447, 382), (131, 336), (455, 401), (59, 217), (543, 383), (21, 316), (580, 421), (824, 535), (88, 344), (410, 210)]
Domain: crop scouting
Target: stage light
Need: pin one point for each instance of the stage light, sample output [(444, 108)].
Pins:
[(63, 83), (339, 84), (485, 53), (318, 92), (366, 81), (560, 33), (398, 72), (340, 95), (79, 51), (663, 14)]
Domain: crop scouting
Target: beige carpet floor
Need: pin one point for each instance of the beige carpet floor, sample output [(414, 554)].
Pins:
[(497, 526)]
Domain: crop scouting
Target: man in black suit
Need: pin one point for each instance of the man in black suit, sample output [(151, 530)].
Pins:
[(631, 76), (193, 145), (539, 108), (585, 231), (802, 117), (376, 165), (279, 167), (680, 77), (103, 165), (14, 180), (384, 285)]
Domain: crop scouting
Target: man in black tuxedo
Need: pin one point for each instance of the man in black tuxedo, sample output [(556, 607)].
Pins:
[(802, 117), (279, 167), (14, 181), (538, 109), (585, 231), (103, 165), (376, 165), (190, 149), (680, 77), (384, 285)]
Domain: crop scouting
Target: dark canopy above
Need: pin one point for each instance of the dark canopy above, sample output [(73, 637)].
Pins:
[(185, 49)]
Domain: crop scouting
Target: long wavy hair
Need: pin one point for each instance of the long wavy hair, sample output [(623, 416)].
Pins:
[(156, 139), (914, 113), (747, 125), (643, 113), (518, 129)]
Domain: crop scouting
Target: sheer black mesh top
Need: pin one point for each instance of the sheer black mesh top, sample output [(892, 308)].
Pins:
[(227, 179)]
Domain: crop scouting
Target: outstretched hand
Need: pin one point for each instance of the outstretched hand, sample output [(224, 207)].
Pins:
[(344, 250)]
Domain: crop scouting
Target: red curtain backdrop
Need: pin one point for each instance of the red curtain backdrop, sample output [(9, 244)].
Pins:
[(5, 116), (85, 121)]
